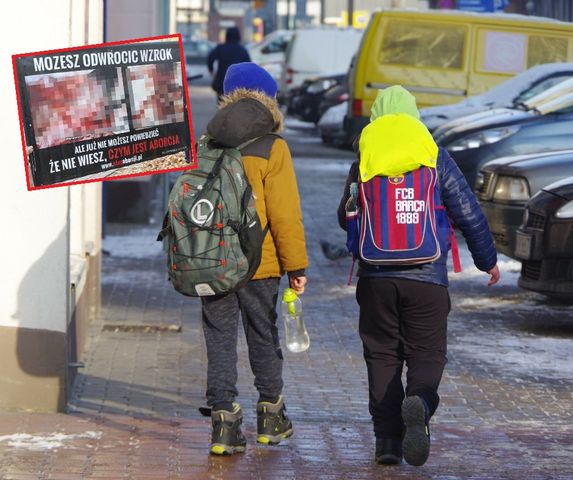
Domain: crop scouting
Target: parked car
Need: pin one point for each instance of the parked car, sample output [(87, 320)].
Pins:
[(444, 56), (545, 241), (334, 96), (508, 94), (269, 53), (331, 127), (315, 52), (542, 123), (504, 186), (304, 102)]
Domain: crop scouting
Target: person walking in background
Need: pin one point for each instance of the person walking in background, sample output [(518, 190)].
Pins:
[(404, 308), (249, 111), (226, 54)]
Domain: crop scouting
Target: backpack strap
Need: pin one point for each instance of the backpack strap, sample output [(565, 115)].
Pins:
[(455, 251), (259, 147), (454, 244)]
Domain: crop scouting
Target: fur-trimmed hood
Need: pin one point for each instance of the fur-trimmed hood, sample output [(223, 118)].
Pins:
[(244, 114)]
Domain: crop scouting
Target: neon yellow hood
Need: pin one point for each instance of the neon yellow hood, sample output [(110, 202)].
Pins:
[(393, 144)]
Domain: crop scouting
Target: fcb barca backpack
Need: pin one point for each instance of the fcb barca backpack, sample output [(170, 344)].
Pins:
[(399, 220)]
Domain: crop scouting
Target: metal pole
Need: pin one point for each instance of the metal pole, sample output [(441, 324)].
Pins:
[(350, 12)]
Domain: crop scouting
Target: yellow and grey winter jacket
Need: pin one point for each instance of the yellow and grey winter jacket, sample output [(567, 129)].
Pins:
[(245, 115)]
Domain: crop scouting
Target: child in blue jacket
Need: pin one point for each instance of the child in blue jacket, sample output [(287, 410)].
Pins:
[(404, 309)]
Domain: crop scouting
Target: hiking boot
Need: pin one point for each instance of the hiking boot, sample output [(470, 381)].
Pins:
[(273, 425), (388, 451), (416, 443), (227, 438)]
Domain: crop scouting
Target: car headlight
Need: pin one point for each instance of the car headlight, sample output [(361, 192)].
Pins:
[(566, 211), (321, 86), (525, 217), (478, 185), (479, 139), (514, 189)]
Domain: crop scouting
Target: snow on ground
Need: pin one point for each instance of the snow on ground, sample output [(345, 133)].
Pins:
[(509, 335), (320, 165), (291, 122), (137, 243), (509, 268), (45, 442), (519, 355), (309, 140)]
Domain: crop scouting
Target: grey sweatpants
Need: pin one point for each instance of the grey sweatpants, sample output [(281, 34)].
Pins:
[(256, 302)]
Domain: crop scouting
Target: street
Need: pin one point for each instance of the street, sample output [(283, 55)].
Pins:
[(506, 396)]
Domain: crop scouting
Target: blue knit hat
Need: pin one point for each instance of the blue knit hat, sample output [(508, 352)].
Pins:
[(250, 76)]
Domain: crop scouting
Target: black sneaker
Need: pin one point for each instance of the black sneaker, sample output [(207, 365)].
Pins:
[(416, 443), (273, 425), (227, 438), (388, 451)]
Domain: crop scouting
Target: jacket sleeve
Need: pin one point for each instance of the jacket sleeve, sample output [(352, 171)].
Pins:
[(283, 209), (352, 177), (213, 55), (463, 208)]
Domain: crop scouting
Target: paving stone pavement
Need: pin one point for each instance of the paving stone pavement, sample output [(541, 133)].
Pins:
[(506, 394)]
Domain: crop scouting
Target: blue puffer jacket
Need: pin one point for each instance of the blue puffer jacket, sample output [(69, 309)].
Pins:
[(464, 211)]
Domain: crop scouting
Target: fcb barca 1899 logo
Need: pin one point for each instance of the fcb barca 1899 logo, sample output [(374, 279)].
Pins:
[(396, 180)]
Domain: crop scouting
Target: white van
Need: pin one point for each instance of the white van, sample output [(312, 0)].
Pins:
[(318, 51), (269, 53)]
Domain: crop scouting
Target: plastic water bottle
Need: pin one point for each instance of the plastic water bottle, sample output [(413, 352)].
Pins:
[(297, 339)]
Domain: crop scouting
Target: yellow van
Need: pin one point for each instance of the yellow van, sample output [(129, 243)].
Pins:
[(443, 56)]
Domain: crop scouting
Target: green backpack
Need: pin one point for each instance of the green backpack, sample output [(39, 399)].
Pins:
[(211, 232)]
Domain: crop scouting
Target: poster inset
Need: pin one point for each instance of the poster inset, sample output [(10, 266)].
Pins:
[(104, 111)]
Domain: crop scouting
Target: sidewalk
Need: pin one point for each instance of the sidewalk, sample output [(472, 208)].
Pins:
[(134, 410)]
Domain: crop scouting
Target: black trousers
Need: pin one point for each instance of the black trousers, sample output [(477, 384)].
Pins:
[(401, 322), (256, 303)]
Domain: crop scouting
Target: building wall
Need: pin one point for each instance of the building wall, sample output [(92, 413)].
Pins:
[(559, 9), (128, 19), (335, 10), (39, 226)]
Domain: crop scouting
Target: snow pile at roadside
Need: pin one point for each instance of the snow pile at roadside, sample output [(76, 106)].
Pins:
[(45, 442)]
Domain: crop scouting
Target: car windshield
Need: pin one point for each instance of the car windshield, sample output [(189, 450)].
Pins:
[(274, 43), (540, 87), (545, 102), (562, 104)]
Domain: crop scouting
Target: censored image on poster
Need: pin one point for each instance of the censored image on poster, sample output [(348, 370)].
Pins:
[(91, 113), (67, 107), (155, 94)]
